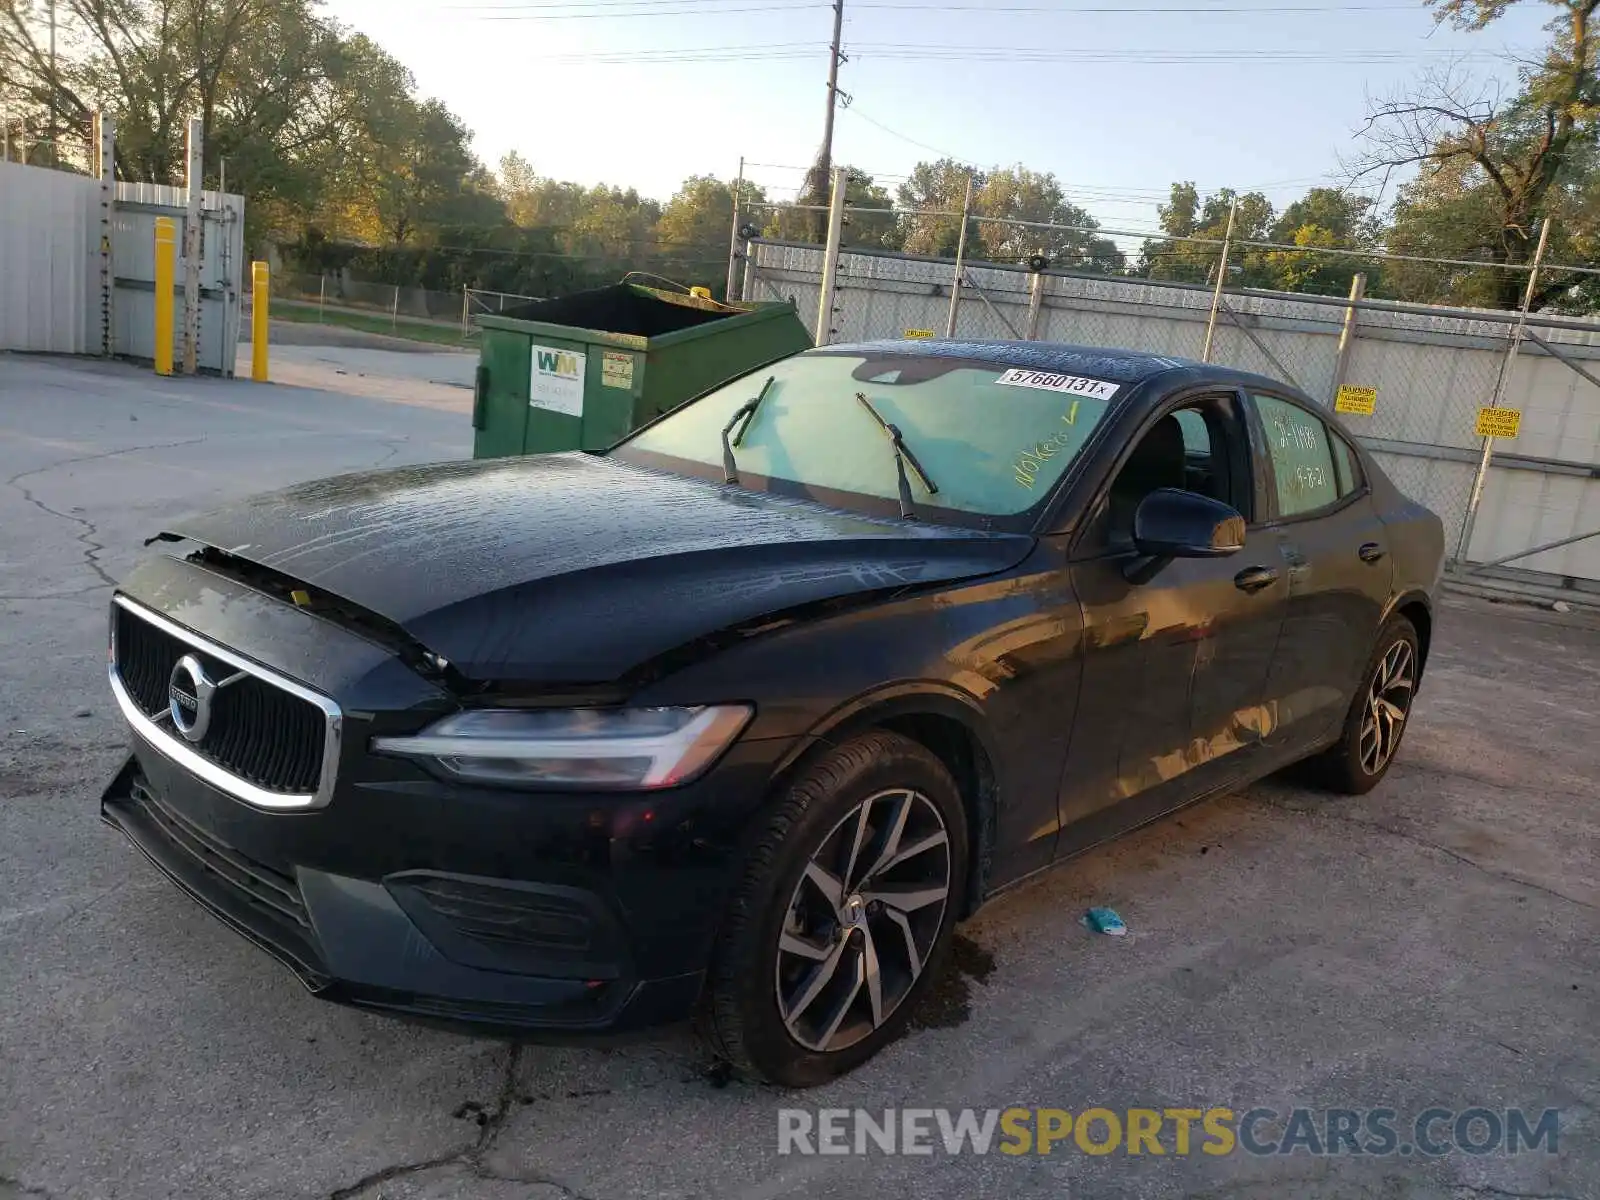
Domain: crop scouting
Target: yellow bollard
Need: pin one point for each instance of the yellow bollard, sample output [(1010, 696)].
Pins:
[(166, 269), (258, 321)]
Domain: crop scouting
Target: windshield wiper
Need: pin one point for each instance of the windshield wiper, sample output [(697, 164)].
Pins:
[(902, 456), (747, 410)]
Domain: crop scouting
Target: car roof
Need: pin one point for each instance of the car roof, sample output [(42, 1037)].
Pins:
[(1096, 362)]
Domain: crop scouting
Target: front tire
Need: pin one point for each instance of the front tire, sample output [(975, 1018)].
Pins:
[(844, 914), (1378, 716)]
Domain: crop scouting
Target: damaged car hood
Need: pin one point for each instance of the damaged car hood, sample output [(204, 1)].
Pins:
[(577, 568)]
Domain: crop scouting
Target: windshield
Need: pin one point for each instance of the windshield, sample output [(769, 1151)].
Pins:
[(995, 439)]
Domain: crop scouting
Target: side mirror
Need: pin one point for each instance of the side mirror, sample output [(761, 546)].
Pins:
[(1170, 524)]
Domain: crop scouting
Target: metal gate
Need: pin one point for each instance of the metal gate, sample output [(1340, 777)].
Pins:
[(77, 262), (221, 252)]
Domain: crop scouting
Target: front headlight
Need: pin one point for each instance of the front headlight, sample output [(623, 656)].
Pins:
[(576, 747)]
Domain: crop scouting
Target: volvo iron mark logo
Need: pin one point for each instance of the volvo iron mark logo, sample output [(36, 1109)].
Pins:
[(189, 693)]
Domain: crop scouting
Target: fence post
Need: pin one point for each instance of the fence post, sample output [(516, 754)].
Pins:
[(1500, 386), (1222, 276), (961, 260), (465, 293), (1035, 304), (165, 283), (194, 178), (733, 237), (322, 297), (105, 163), (1347, 334), (830, 260), (394, 313)]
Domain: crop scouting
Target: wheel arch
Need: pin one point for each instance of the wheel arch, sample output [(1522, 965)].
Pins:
[(1416, 607), (950, 724)]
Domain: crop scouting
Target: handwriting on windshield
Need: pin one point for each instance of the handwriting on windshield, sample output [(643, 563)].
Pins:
[(1026, 469)]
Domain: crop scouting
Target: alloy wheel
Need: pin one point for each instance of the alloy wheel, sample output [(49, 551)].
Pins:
[(863, 920), (1388, 703)]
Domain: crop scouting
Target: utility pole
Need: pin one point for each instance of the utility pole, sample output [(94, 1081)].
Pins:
[(733, 238), (832, 88), (55, 156), (822, 173)]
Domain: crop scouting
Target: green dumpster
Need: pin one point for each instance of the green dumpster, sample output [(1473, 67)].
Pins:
[(583, 371)]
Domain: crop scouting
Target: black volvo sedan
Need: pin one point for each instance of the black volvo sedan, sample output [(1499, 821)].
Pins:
[(739, 717)]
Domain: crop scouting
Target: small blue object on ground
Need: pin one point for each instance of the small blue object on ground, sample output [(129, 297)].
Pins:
[(1104, 920)]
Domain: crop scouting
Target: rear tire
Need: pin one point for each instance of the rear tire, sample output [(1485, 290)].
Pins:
[(1378, 716), (843, 916)]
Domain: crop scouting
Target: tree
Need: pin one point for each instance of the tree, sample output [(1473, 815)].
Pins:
[(1324, 218), (1489, 169), (418, 174), (532, 201), (869, 230), (936, 187), (1187, 216), (873, 230), (1330, 218), (1018, 194), (615, 228), (696, 225), (316, 125), (700, 213)]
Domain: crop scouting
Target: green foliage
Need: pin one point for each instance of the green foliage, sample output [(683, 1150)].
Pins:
[(1013, 193), (936, 187), (348, 167), (1324, 218), (870, 230), (1489, 173)]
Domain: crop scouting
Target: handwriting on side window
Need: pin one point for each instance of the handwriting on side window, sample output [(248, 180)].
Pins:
[(1294, 436), (1307, 479), (1026, 468)]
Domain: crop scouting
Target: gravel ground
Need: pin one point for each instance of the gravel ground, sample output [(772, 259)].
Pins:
[(1434, 943)]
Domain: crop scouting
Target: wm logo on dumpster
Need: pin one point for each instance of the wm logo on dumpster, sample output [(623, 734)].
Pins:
[(560, 363)]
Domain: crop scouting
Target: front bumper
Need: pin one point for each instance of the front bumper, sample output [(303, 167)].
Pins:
[(503, 955), (562, 911)]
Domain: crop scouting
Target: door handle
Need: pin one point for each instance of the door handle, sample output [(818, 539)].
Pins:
[(1253, 579), (1371, 552)]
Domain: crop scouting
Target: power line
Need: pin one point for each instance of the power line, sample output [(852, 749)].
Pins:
[(673, 12), (541, 11), (1275, 9), (856, 112), (593, 9), (777, 51)]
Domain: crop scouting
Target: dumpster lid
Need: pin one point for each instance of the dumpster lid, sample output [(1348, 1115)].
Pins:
[(626, 308)]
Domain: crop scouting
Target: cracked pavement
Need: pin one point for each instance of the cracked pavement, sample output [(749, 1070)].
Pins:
[(1435, 942)]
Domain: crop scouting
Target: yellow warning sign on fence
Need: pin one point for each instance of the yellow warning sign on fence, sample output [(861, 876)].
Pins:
[(919, 333), (1499, 422), (1353, 399)]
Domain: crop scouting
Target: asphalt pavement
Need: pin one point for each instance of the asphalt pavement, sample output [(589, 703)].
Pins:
[(1434, 944)]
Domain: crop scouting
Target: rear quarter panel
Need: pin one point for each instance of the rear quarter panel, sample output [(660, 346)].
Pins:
[(1416, 537)]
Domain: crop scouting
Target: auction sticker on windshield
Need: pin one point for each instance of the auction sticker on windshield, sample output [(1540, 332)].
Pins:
[(1072, 385), (555, 380)]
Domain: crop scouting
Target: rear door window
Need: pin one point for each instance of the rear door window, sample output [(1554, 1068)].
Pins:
[(1302, 456), (1345, 464)]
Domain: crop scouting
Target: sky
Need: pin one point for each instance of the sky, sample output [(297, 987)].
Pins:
[(1119, 100)]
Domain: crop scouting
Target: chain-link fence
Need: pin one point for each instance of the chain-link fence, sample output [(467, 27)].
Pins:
[(340, 292), (477, 302), (1420, 374)]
